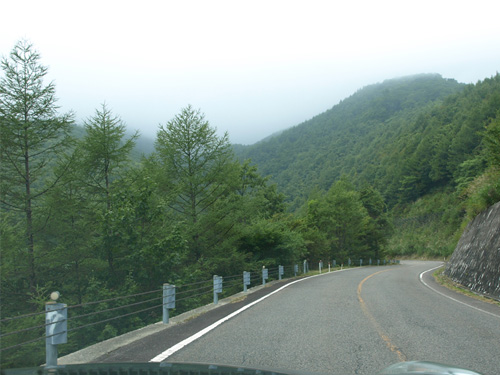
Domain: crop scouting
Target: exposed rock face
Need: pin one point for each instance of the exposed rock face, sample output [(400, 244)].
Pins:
[(475, 263)]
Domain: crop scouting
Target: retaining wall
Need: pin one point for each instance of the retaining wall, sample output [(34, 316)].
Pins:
[(475, 263)]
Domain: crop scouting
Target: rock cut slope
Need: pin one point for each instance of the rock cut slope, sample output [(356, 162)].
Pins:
[(475, 263)]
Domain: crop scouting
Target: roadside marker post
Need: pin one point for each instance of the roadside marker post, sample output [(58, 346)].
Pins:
[(246, 280), (168, 300), (217, 288), (56, 328), (265, 275)]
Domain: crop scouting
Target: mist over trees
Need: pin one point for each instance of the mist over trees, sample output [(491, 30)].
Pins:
[(393, 170), (424, 143)]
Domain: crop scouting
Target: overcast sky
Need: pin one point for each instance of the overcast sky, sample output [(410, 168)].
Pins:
[(253, 67)]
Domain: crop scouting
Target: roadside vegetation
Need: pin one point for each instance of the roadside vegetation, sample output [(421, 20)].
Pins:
[(444, 280), (395, 170)]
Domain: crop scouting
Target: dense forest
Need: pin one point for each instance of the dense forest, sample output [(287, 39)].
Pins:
[(425, 143), (362, 137), (81, 213)]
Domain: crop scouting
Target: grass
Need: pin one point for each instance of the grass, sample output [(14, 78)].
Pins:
[(445, 281)]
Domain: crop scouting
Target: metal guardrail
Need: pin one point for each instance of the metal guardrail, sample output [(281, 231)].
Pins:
[(56, 314), (56, 324)]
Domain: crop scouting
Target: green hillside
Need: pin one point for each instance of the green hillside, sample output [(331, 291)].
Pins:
[(394, 170), (417, 140), (358, 137)]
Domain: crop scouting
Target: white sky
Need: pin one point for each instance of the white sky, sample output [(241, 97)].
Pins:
[(253, 67)]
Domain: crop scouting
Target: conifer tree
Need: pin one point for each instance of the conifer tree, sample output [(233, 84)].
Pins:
[(104, 152), (199, 171), (32, 137)]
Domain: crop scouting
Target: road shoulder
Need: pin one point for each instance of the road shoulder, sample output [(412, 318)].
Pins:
[(179, 327), (429, 280)]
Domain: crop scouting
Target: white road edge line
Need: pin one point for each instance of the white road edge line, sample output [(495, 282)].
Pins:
[(167, 353), (453, 299)]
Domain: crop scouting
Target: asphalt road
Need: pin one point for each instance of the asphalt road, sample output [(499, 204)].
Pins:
[(355, 321)]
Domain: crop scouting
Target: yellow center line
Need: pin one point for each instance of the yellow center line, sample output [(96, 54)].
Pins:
[(377, 326)]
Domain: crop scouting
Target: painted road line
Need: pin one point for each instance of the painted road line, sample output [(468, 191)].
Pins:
[(167, 353), (374, 322), (453, 299)]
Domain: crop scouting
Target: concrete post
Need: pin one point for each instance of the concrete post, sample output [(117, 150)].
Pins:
[(56, 328), (168, 300), (246, 280), (217, 288)]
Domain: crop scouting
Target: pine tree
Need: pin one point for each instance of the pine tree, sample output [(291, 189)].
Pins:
[(32, 138), (104, 152), (199, 171)]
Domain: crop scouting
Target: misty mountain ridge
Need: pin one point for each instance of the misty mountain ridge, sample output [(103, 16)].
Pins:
[(404, 136), (145, 143), (376, 137)]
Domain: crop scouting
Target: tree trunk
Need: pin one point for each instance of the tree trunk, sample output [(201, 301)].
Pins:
[(109, 231), (29, 220)]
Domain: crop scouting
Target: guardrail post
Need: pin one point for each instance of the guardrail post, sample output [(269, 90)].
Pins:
[(281, 272), (56, 328), (168, 300), (265, 275), (295, 269), (217, 288), (306, 267), (320, 265), (246, 280), (329, 267)]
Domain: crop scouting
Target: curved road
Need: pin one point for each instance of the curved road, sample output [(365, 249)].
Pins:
[(355, 321)]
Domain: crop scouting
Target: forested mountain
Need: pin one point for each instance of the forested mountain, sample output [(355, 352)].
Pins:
[(390, 171), (428, 145), (367, 136)]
